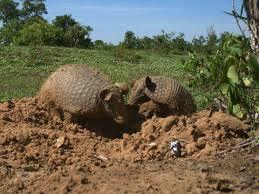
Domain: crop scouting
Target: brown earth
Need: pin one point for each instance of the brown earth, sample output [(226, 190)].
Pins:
[(41, 153)]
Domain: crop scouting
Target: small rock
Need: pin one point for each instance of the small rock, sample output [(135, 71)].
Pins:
[(61, 142), (101, 157), (201, 143), (126, 136), (242, 169), (153, 144)]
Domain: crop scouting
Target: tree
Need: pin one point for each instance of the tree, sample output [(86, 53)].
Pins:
[(99, 44), (130, 40), (73, 34), (179, 42), (212, 40), (8, 10), (64, 22), (9, 31), (33, 8), (78, 36), (198, 44), (252, 12), (146, 43), (223, 37), (39, 33), (162, 41)]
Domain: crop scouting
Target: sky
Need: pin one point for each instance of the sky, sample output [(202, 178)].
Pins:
[(110, 19)]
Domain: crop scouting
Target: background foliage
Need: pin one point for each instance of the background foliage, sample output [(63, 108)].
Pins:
[(231, 74)]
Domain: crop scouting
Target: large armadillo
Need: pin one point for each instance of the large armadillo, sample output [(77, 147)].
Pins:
[(83, 91), (163, 91)]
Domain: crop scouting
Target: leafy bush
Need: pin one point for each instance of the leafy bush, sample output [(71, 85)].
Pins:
[(232, 71), (64, 21), (39, 33), (130, 40), (77, 36), (101, 45), (9, 31), (9, 11)]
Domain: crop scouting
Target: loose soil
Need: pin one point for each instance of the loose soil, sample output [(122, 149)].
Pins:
[(41, 153)]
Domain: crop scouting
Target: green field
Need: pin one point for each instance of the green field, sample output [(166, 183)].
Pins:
[(23, 69)]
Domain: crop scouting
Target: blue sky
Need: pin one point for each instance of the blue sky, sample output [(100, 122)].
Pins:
[(110, 19)]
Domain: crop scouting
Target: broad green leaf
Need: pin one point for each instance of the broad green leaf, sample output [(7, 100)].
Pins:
[(232, 74), (247, 82), (224, 88), (237, 111)]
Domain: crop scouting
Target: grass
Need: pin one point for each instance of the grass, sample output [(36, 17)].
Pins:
[(23, 69)]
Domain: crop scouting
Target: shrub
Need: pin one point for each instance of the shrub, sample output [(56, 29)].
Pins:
[(38, 33), (130, 40), (101, 45), (77, 36), (233, 72), (9, 31)]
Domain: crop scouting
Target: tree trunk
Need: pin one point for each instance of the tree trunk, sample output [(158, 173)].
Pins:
[(252, 11)]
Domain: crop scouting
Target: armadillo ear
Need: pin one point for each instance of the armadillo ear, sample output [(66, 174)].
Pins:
[(106, 95), (149, 84)]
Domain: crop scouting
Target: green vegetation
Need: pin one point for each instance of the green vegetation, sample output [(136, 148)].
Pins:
[(24, 25), (231, 74), (22, 69)]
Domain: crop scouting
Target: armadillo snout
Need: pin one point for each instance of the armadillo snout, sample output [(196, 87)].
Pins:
[(121, 120)]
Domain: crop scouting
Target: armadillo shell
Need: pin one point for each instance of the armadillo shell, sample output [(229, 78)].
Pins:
[(74, 88), (169, 91)]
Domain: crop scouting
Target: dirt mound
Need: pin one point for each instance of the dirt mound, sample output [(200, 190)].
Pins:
[(42, 153), (199, 135), (26, 110)]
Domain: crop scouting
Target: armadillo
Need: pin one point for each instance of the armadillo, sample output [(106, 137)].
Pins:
[(83, 91), (163, 91)]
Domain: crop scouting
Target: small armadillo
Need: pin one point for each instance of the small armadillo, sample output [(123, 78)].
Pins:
[(83, 91), (163, 91)]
